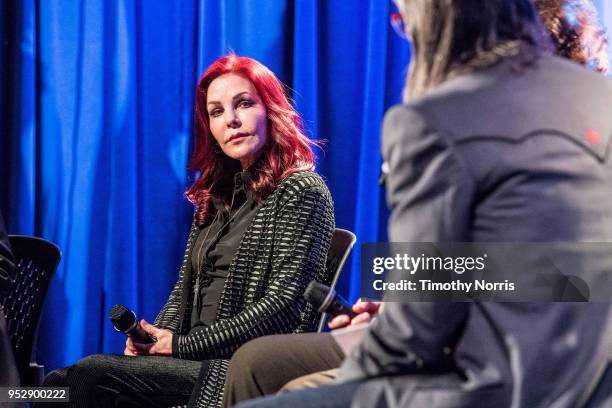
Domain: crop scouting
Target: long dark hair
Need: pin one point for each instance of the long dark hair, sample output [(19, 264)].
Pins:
[(287, 150), (450, 36)]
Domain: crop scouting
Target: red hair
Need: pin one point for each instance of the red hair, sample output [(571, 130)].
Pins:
[(287, 149)]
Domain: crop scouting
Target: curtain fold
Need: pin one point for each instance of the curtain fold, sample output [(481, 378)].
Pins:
[(366, 226), (305, 53), (18, 123), (115, 97), (96, 126)]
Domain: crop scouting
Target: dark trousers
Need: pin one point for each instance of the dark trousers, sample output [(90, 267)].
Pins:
[(121, 381), (264, 365)]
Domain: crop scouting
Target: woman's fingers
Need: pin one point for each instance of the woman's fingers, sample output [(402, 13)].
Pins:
[(129, 352), (369, 306), (361, 318), (339, 321), (129, 347), (133, 348), (365, 310), (142, 349)]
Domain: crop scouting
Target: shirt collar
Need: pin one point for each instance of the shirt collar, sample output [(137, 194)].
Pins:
[(241, 180)]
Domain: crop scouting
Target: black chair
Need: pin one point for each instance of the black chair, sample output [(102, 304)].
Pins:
[(341, 244), (35, 262)]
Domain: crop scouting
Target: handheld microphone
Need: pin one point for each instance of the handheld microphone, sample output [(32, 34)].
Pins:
[(125, 321), (326, 300)]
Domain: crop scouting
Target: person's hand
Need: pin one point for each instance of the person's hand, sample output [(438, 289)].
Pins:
[(162, 347), (365, 310), (130, 350)]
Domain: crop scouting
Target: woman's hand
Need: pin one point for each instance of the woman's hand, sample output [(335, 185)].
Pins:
[(365, 310), (162, 347), (130, 350)]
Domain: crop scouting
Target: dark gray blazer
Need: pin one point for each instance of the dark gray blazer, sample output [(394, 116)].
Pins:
[(506, 154)]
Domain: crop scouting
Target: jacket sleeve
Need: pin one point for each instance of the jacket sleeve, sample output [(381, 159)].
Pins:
[(168, 317), (429, 192), (302, 235)]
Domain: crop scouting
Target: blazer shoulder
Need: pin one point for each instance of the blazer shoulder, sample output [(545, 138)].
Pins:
[(406, 117), (408, 125), (552, 96), (296, 185), (401, 113), (302, 180)]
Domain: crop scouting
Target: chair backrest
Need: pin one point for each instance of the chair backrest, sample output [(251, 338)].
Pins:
[(341, 244), (35, 262)]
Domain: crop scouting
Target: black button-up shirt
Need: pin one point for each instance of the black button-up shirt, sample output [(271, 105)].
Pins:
[(215, 247)]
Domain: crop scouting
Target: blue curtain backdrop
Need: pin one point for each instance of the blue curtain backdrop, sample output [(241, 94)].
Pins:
[(96, 131)]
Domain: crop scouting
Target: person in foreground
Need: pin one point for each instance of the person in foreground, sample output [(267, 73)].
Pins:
[(289, 362), (262, 229), (497, 141)]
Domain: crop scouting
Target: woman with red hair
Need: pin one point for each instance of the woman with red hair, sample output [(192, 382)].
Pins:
[(262, 227)]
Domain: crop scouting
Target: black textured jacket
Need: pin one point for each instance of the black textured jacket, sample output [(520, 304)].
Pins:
[(283, 249)]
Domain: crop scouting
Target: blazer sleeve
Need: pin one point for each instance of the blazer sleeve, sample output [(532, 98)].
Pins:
[(303, 230), (429, 192)]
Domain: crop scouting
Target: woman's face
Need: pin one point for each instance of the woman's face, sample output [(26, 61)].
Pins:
[(238, 118)]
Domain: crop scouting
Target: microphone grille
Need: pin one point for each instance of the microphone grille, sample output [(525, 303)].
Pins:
[(122, 317), (316, 293)]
